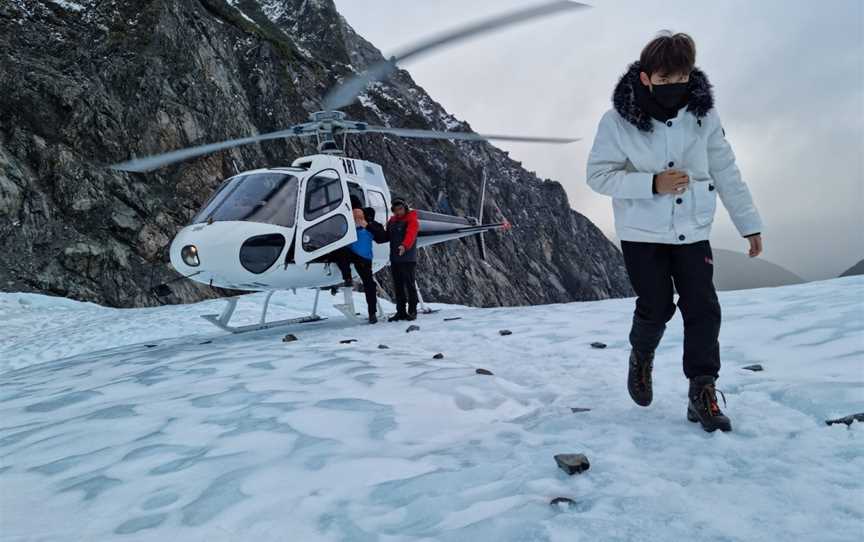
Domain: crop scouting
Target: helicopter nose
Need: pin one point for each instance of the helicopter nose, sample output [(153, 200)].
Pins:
[(229, 253)]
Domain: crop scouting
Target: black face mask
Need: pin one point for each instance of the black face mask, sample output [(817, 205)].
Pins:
[(670, 95)]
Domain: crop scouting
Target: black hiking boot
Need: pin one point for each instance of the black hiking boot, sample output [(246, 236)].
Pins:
[(373, 318), (703, 407), (639, 378), (397, 317)]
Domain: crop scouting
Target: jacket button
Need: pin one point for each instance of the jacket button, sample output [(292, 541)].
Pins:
[(711, 187), (671, 164), (668, 123), (679, 201), (681, 238)]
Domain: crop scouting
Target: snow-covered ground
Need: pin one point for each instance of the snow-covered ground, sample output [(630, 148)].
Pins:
[(150, 424)]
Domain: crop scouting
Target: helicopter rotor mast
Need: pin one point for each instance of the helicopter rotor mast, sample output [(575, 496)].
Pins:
[(325, 125)]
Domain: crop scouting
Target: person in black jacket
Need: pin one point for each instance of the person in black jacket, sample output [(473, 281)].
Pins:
[(402, 229), (379, 233)]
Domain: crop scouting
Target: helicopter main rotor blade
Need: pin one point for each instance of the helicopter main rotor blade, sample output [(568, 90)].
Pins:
[(149, 163), (345, 93), (462, 136)]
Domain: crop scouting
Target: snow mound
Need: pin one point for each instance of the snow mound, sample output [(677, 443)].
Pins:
[(155, 426)]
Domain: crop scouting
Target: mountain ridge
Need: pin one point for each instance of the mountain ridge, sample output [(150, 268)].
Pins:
[(168, 74)]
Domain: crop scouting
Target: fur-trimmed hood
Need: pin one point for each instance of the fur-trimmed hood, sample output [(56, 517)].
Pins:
[(624, 98)]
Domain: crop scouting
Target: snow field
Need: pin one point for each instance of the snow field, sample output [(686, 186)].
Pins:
[(207, 436)]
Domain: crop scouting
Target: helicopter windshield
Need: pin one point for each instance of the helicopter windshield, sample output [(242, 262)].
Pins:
[(269, 197)]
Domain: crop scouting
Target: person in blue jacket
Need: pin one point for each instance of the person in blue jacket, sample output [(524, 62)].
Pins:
[(359, 253)]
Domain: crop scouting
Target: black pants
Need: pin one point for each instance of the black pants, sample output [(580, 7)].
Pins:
[(653, 268), (404, 275), (344, 258)]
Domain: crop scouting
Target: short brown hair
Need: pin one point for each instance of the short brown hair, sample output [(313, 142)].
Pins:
[(668, 53)]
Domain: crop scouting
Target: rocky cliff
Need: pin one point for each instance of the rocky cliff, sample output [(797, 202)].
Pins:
[(87, 83)]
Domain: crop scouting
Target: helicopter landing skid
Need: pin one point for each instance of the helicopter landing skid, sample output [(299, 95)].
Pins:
[(347, 308), (221, 320)]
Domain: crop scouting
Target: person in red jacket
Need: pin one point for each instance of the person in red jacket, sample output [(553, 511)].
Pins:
[(402, 229)]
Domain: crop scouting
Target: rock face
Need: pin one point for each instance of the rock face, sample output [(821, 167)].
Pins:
[(88, 83), (857, 269)]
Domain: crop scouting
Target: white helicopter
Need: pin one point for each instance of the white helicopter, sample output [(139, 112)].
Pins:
[(272, 229)]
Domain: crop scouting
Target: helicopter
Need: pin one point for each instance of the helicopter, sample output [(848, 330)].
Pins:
[(272, 229)]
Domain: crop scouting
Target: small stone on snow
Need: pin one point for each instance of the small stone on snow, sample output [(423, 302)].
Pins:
[(438, 356), (505, 332), (598, 345), (755, 368), (572, 463), (486, 372), (561, 502), (847, 419), (412, 328), (290, 338)]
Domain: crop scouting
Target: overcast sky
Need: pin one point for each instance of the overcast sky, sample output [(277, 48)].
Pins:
[(789, 86)]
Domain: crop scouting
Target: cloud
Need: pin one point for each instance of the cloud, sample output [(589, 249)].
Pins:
[(789, 79)]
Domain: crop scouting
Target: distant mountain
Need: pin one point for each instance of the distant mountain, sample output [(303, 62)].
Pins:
[(857, 269), (737, 271)]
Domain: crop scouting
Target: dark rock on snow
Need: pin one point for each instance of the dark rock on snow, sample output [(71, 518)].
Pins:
[(755, 368), (576, 410), (412, 328), (348, 341), (438, 356), (561, 502), (84, 88), (848, 420), (484, 372), (598, 345), (383, 347), (505, 332), (572, 463), (454, 318), (290, 338)]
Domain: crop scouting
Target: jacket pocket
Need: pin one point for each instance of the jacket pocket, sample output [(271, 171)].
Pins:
[(653, 215), (704, 202)]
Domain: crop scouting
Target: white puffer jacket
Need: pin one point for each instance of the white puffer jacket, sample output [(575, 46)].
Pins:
[(631, 147)]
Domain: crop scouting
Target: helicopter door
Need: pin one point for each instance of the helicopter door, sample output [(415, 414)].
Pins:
[(326, 222)]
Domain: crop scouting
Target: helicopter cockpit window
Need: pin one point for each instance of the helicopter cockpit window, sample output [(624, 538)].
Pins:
[(323, 194), (269, 197), (377, 202)]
